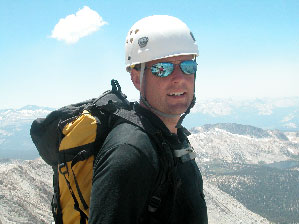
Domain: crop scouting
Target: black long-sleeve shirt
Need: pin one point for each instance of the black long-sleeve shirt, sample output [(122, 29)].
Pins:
[(125, 172)]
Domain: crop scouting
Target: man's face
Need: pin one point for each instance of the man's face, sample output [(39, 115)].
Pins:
[(172, 94)]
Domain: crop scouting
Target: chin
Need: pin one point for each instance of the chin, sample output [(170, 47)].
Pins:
[(177, 109)]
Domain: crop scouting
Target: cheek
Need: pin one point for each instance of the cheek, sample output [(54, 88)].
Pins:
[(191, 82), (155, 88), (161, 85)]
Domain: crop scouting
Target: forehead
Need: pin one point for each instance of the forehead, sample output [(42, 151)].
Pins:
[(172, 59)]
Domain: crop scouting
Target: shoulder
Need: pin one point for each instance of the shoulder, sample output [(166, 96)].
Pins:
[(126, 133), (129, 141)]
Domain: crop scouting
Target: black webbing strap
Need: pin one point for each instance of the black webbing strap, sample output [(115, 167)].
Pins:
[(83, 216), (79, 191), (166, 159), (115, 86), (74, 153), (166, 178), (81, 156), (161, 185)]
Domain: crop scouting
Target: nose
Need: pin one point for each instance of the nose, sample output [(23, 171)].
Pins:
[(177, 74)]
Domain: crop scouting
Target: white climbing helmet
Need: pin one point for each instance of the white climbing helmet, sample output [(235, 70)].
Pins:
[(156, 37)]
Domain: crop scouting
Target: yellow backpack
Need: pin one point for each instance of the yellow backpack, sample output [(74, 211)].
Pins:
[(75, 172), (69, 138)]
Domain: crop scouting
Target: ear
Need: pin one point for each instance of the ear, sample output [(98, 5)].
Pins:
[(135, 77)]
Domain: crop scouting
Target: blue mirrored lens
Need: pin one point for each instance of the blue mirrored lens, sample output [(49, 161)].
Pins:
[(162, 69), (188, 67)]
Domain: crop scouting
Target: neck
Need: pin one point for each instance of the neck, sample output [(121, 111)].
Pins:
[(170, 122)]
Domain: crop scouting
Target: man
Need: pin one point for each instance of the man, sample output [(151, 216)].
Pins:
[(160, 56)]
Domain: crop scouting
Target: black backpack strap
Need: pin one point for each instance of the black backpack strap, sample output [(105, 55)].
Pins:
[(63, 170), (165, 189), (55, 204), (113, 96), (166, 179)]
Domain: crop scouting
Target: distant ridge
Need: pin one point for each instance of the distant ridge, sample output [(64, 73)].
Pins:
[(267, 113), (243, 144), (239, 129), (35, 107)]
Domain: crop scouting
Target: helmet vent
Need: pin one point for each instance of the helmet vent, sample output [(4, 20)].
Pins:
[(192, 36)]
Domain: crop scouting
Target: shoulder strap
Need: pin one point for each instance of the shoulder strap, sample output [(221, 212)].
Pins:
[(166, 179), (164, 191)]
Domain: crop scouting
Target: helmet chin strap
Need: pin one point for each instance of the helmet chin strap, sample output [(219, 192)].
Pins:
[(147, 104), (179, 124)]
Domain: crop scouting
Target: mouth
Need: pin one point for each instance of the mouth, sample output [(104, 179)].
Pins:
[(176, 94)]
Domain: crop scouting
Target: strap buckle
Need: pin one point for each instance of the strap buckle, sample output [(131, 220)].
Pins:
[(154, 204), (61, 166)]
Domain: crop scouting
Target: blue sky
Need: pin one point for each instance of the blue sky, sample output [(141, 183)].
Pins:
[(248, 48)]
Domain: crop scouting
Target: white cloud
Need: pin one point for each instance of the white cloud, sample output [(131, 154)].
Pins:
[(73, 27), (288, 118), (290, 125)]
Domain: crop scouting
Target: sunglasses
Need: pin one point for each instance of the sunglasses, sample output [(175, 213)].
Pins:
[(164, 69)]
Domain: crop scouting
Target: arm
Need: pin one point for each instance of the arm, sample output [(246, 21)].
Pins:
[(122, 183)]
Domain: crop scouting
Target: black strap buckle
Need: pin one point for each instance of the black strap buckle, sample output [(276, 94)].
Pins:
[(115, 86), (61, 166), (154, 204)]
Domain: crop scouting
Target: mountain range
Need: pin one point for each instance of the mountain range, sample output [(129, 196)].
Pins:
[(15, 141), (244, 144), (267, 113), (250, 176), (281, 114), (26, 193), (257, 167), (250, 172)]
